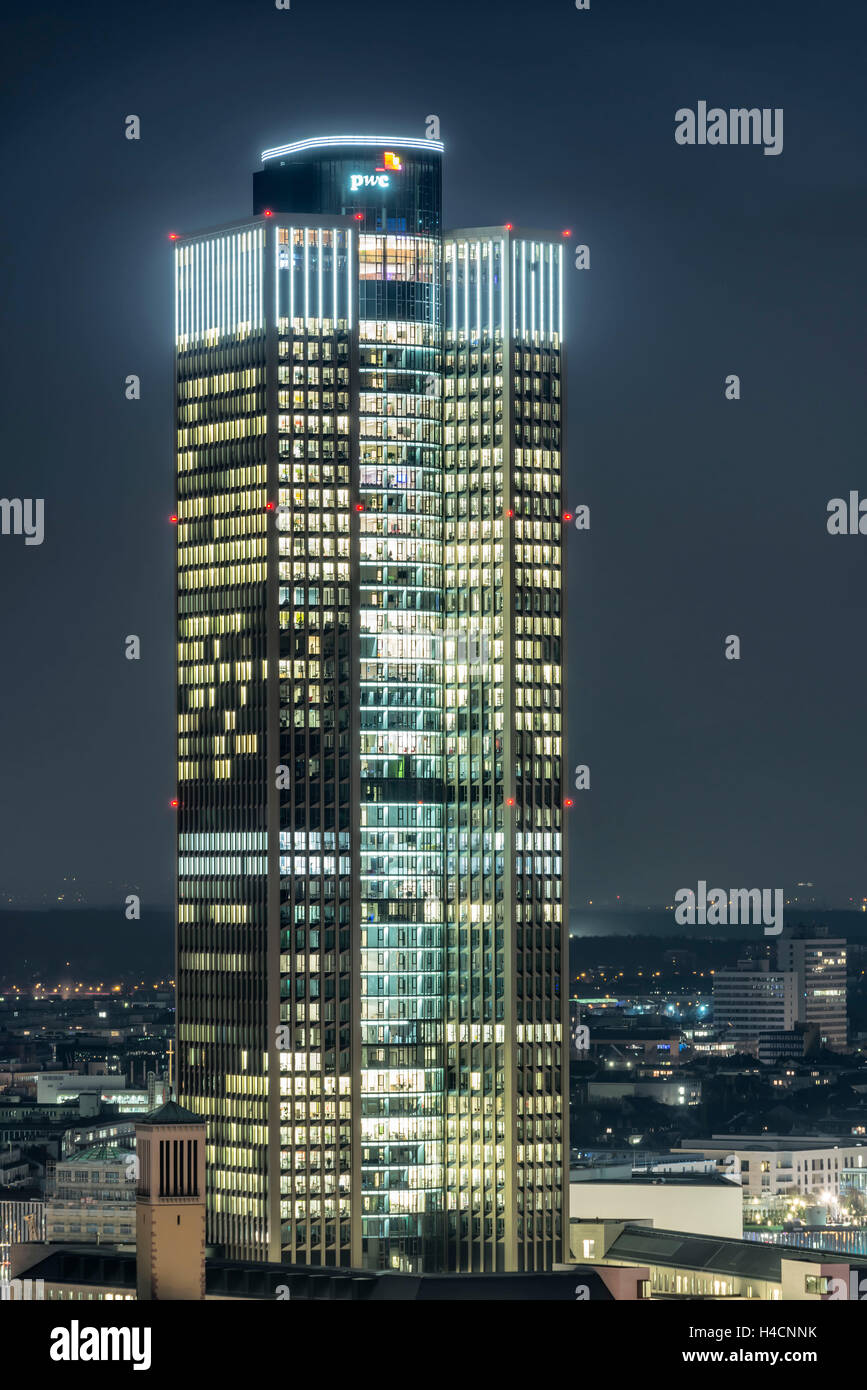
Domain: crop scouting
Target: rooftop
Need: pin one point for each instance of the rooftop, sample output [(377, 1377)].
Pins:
[(171, 1114), (114, 1268), (317, 142), (716, 1254), (774, 1143), (100, 1153), (665, 1180)]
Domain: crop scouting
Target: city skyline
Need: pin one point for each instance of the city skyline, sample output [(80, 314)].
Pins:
[(431, 527)]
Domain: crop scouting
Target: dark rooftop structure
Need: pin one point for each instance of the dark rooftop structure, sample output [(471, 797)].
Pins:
[(100, 1267), (666, 1180), (170, 1114), (715, 1254)]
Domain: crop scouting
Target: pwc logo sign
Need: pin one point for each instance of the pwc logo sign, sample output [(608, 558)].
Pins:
[(382, 178)]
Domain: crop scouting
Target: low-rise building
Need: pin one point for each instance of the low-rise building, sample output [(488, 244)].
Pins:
[(675, 1089), (685, 1266), (701, 1203), (771, 1164), (92, 1198)]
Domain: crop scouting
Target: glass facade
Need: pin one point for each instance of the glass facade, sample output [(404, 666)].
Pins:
[(394, 197), (316, 402), (507, 942), (370, 869), (222, 906), (401, 808)]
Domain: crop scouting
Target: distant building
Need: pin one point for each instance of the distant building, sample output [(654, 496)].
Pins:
[(819, 965), (771, 1164), (16, 1167), (56, 1087), (668, 1090), (106, 1130), (786, 1045), (624, 1044), (753, 999)]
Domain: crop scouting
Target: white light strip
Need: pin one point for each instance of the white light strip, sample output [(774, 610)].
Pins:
[(334, 278), (351, 290), (523, 289), (291, 277), (491, 289), (319, 250), (454, 289), (503, 288), (467, 288), (306, 275), (224, 317), (329, 141), (560, 260), (227, 303), (551, 291), (479, 288), (438, 264), (532, 291)]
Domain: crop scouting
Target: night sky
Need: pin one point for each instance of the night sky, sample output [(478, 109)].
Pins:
[(708, 516)]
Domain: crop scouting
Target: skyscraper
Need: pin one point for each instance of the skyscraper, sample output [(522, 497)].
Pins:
[(371, 927)]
